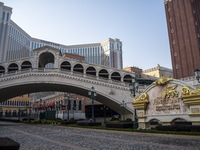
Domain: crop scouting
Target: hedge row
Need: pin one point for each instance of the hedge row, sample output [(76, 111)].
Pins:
[(188, 128), (119, 125), (68, 122), (89, 123)]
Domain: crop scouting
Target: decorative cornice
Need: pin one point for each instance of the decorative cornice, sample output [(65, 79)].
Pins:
[(188, 91), (162, 81), (165, 1), (143, 98), (140, 103), (190, 96), (195, 115)]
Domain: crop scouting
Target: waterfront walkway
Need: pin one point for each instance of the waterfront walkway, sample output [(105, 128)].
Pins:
[(54, 137)]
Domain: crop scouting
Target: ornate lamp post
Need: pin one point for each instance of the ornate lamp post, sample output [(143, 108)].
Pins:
[(123, 106), (40, 109), (133, 86), (92, 95), (19, 113), (197, 74), (57, 109), (66, 98)]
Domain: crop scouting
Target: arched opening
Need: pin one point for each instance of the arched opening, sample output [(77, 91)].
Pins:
[(26, 65), (14, 114), (103, 73), (116, 76), (7, 113), (127, 78), (1, 112), (154, 122), (91, 71), (78, 68), (65, 65), (80, 105), (46, 60), (13, 67), (2, 69), (74, 105), (180, 121)]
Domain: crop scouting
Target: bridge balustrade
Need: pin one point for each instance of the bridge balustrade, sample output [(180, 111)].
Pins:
[(78, 74)]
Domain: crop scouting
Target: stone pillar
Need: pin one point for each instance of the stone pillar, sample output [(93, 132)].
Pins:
[(191, 97), (56, 61), (140, 104)]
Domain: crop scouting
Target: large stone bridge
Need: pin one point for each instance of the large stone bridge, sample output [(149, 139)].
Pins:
[(30, 75)]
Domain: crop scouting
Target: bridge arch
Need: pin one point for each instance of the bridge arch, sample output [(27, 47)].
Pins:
[(2, 69), (13, 67), (110, 94), (26, 64), (46, 58), (66, 65)]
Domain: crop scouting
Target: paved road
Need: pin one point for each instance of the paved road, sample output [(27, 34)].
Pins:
[(53, 137)]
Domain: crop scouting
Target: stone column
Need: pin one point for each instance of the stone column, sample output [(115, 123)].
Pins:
[(191, 97), (140, 104)]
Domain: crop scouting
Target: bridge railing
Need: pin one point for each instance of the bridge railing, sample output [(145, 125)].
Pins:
[(64, 71)]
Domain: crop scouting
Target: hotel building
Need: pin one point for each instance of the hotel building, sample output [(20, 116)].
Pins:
[(16, 43)]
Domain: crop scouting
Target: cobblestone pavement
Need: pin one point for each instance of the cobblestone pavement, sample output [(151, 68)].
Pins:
[(53, 137)]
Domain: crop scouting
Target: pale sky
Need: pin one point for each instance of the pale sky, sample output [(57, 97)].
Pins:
[(139, 24)]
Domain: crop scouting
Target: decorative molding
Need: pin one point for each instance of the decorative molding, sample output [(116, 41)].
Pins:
[(166, 1), (188, 91), (141, 102), (191, 96), (162, 81)]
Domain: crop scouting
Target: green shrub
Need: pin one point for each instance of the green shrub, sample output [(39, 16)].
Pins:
[(129, 119)]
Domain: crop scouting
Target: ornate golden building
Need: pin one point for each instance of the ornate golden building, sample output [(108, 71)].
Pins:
[(16, 107)]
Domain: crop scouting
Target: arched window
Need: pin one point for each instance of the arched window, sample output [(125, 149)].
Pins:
[(69, 105), (127, 78), (26, 65), (78, 68), (103, 73), (14, 114), (74, 105), (116, 76), (91, 71), (13, 67), (80, 105), (65, 65), (154, 122), (46, 60), (2, 69)]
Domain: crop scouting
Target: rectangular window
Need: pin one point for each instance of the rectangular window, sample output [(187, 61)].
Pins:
[(3, 16), (7, 16)]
